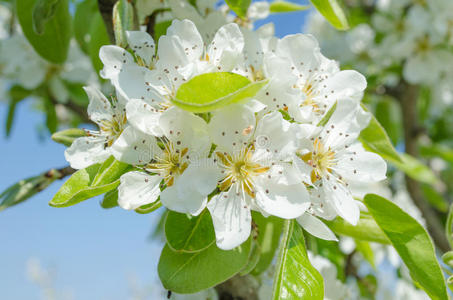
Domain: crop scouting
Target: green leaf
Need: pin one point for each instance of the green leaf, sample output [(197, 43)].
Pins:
[(16, 94), (295, 277), (53, 43), (110, 171), (78, 188), (327, 116), (51, 115), (284, 6), (123, 19), (90, 182), (211, 91), (435, 198), (98, 38), (160, 29), (76, 93), (365, 249), (366, 229), (26, 188), (83, 17), (269, 232), (148, 208), (412, 243), (43, 11), (67, 136), (449, 226), (333, 13), (375, 139), (110, 199), (186, 233), (415, 169), (187, 273), (240, 7)]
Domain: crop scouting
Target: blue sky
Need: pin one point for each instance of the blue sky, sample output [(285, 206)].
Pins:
[(93, 251)]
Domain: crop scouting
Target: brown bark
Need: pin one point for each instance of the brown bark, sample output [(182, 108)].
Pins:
[(238, 288), (408, 99)]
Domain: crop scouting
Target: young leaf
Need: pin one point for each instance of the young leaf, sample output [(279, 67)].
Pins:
[(240, 7), (90, 182), (43, 11), (365, 249), (189, 234), (123, 19), (84, 15), (16, 94), (211, 91), (375, 139), (110, 199), (53, 43), (78, 188), (187, 273), (148, 208), (412, 243), (269, 232), (327, 116), (26, 188), (98, 38), (110, 171), (67, 136), (295, 277), (333, 13), (284, 6)]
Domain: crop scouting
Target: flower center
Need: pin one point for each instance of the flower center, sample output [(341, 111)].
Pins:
[(241, 169), (320, 159), (113, 128), (170, 164)]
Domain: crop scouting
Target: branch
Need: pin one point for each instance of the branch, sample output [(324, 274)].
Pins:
[(106, 10), (238, 288), (408, 100), (151, 20)]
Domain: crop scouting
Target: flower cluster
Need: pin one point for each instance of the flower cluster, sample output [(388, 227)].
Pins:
[(291, 151)]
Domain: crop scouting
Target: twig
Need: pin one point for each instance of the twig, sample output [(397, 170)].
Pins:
[(151, 20), (106, 10)]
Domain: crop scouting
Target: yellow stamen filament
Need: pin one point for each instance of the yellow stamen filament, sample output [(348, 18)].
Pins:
[(320, 159), (240, 169)]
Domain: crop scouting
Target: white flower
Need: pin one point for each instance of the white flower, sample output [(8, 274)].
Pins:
[(176, 162), (21, 63), (96, 147), (182, 55), (331, 159), (319, 80), (334, 289), (256, 173)]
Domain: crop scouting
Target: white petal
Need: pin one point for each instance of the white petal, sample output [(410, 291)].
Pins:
[(342, 200), (137, 189), (189, 38), (134, 147), (279, 199), (225, 50), (114, 58), (345, 124), (173, 59), (232, 219), (258, 10), (86, 151), (131, 82), (275, 135), (142, 44), (316, 227), (358, 165), (185, 130), (231, 127), (344, 84), (302, 50), (99, 107), (142, 115), (185, 199)]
